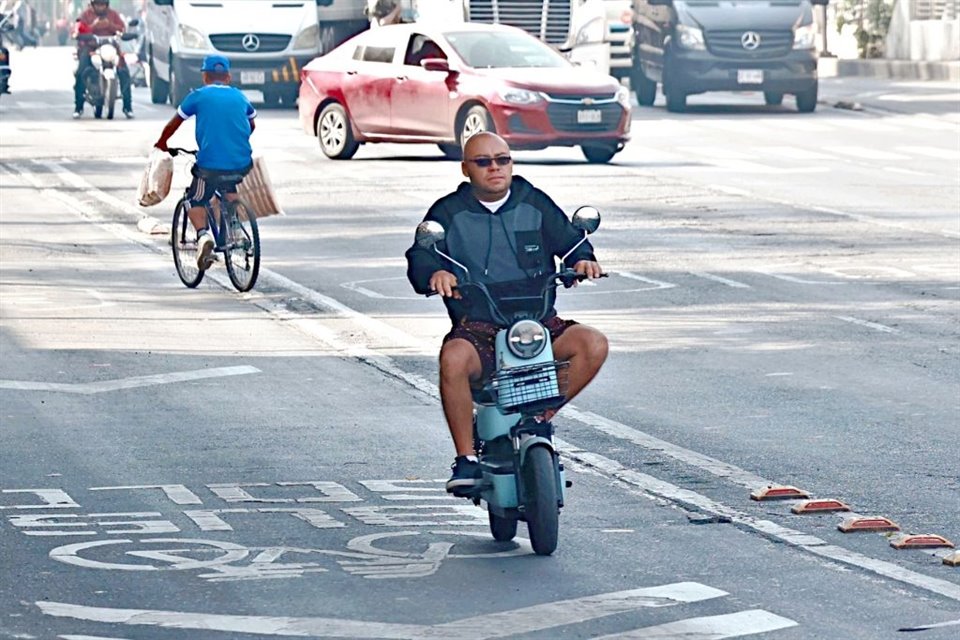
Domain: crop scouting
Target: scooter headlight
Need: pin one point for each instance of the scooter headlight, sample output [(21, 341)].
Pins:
[(108, 54), (526, 339)]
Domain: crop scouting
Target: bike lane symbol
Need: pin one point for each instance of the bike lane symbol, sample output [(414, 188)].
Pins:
[(221, 561)]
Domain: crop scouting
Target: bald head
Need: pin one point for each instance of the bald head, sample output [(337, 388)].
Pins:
[(491, 182)]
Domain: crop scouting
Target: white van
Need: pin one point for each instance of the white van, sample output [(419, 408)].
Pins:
[(266, 41)]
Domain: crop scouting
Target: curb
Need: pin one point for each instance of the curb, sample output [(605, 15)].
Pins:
[(890, 69)]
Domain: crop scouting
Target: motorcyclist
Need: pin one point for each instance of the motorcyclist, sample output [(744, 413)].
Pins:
[(99, 20), (508, 233)]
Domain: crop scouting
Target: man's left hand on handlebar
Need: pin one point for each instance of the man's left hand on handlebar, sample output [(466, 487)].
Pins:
[(589, 268)]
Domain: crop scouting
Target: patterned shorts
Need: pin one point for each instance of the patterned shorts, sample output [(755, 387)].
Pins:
[(482, 335)]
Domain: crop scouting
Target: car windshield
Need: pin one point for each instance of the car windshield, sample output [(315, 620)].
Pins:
[(485, 50)]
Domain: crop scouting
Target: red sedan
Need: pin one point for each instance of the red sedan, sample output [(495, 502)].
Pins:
[(414, 83)]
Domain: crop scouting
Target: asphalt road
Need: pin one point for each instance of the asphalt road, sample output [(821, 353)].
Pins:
[(782, 309)]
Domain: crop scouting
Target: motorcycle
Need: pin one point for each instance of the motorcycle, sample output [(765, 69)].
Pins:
[(523, 478), (101, 87), (6, 26)]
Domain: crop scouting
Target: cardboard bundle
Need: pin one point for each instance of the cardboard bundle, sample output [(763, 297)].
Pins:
[(257, 190), (157, 176)]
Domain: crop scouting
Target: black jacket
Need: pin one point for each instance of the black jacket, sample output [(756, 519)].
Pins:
[(505, 250)]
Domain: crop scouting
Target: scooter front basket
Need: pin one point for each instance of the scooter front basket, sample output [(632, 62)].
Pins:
[(531, 388)]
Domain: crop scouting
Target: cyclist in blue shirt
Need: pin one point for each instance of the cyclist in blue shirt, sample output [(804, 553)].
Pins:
[(225, 120)]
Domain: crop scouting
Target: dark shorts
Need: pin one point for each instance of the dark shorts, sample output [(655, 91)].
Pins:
[(483, 335), (207, 181)]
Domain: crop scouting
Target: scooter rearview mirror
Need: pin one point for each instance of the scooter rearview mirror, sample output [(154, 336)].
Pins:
[(586, 219), (429, 233)]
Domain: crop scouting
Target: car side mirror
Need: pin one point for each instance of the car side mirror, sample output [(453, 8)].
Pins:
[(435, 64), (586, 219), (429, 233), (133, 23)]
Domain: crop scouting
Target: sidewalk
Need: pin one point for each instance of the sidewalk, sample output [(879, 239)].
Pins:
[(890, 69)]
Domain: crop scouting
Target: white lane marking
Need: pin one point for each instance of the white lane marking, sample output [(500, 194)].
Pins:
[(52, 499), (721, 280), (866, 153), (87, 388), (866, 323), (731, 625), (177, 493), (387, 365), (657, 284), (492, 625), (76, 637), (933, 152)]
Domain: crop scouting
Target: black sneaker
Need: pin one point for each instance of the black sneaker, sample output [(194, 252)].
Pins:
[(466, 475)]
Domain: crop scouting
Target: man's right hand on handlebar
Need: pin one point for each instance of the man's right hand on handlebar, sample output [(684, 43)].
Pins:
[(445, 283)]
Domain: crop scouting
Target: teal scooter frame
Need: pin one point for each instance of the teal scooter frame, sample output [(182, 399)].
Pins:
[(523, 478)]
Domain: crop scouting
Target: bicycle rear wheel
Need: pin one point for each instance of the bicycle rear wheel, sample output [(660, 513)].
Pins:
[(242, 252), (183, 241)]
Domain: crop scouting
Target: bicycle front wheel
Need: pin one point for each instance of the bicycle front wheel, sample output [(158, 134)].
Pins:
[(242, 253), (183, 241)]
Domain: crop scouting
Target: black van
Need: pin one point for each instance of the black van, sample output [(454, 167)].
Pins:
[(694, 46)]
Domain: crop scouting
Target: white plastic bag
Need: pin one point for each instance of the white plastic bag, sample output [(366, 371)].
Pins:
[(157, 176)]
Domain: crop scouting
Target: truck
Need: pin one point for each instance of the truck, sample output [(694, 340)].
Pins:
[(577, 28), (266, 41)]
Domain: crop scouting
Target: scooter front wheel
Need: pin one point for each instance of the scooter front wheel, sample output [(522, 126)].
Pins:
[(541, 505), (503, 529)]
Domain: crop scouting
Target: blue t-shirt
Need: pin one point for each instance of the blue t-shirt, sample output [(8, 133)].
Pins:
[(223, 126)]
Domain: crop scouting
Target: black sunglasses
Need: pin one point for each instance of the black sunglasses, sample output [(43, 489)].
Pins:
[(483, 163)]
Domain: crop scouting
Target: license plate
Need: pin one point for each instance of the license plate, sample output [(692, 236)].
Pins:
[(252, 77), (749, 76), (589, 116)]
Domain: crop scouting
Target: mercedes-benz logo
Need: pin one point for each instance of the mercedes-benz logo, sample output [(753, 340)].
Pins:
[(750, 40), (251, 42)]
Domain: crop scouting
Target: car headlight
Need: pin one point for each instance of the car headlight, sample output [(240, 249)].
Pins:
[(309, 38), (526, 339), (193, 38), (690, 37), (513, 95), (805, 37), (623, 96), (593, 31), (108, 54)]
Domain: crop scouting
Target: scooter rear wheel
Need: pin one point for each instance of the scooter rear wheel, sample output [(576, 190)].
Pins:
[(541, 506), (503, 529)]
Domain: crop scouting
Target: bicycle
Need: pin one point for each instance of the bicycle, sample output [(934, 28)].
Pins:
[(237, 237)]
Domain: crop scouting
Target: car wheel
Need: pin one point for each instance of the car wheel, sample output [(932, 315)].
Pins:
[(773, 98), (599, 154), (335, 134), (159, 89), (807, 100), (178, 91), (451, 151), (645, 88), (676, 101), (475, 120)]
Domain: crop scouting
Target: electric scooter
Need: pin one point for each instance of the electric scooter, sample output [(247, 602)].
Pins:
[(523, 478)]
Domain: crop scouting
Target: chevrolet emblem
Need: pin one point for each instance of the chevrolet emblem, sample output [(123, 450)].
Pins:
[(587, 101)]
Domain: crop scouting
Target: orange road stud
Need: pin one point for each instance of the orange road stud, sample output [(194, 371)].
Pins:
[(778, 492), (952, 559), (860, 523), (920, 541), (819, 506)]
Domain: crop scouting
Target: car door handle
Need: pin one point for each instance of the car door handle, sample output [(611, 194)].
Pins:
[(402, 78), (352, 73)]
